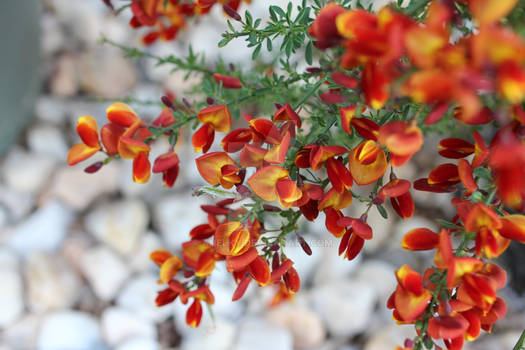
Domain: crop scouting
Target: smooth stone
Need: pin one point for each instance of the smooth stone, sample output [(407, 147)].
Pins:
[(26, 172), (120, 325), (44, 230), (69, 330), (119, 224), (138, 296), (345, 306), (51, 283), (105, 271), (258, 334), (79, 190), (48, 141), (11, 296)]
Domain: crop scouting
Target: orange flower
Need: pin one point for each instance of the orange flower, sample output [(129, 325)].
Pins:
[(410, 298), (213, 118), (231, 238), (227, 81), (272, 182), (200, 256), (218, 168), (168, 165), (420, 239), (401, 139), (87, 129), (367, 162), (486, 223)]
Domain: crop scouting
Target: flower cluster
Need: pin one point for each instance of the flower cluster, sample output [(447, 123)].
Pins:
[(165, 19), (391, 77)]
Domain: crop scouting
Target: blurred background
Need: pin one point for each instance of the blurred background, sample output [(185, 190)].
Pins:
[(74, 267)]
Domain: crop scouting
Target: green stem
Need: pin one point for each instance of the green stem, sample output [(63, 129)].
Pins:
[(310, 92), (521, 340), (177, 62)]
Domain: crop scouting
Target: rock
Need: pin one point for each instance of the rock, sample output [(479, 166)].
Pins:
[(390, 337), (44, 230), (23, 334), (4, 217), (64, 80), (119, 325), (119, 224), (16, 204), (306, 327), (50, 109), (107, 75), (345, 306), (140, 260), (51, 284), (70, 330), (332, 266), (11, 296), (175, 216), (48, 141), (256, 334), (104, 270), (219, 336), (74, 246), (138, 296), (381, 275), (26, 172), (139, 344), (79, 190), (8, 260)]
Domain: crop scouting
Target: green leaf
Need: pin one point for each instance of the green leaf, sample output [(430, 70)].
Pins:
[(382, 211), (256, 52), (257, 22), (448, 224), (223, 42), (249, 18), (279, 11), (308, 53), (269, 44)]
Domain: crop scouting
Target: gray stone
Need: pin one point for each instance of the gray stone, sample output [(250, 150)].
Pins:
[(70, 330), (50, 109), (390, 337), (106, 75), (48, 141), (345, 306), (120, 325), (306, 326), (11, 296), (175, 216), (138, 296), (105, 271), (140, 260), (218, 335), (44, 230), (17, 204), (26, 172), (139, 344), (51, 284), (64, 81), (79, 190), (23, 334), (119, 224), (257, 334)]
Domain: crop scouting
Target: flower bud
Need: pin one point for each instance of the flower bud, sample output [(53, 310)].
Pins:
[(210, 100), (304, 244), (168, 102), (271, 208), (93, 168), (232, 13), (275, 261)]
